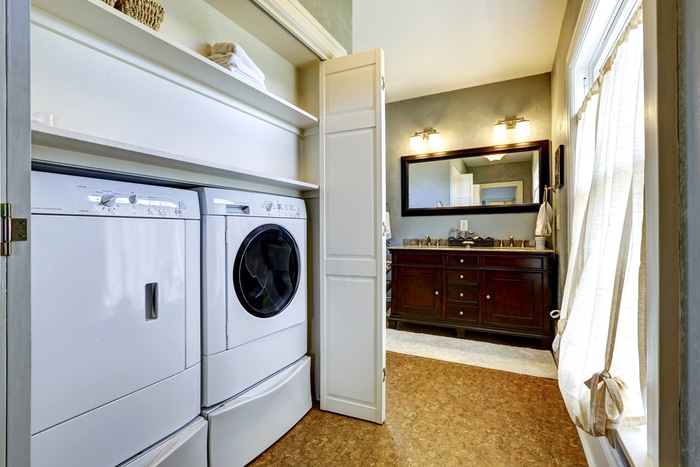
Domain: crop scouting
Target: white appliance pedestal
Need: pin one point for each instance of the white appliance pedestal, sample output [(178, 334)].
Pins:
[(242, 428)]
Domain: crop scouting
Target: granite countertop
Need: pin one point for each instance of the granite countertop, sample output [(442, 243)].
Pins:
[(499, 249)]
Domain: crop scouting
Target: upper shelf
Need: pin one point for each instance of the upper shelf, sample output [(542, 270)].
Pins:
[(127, 153), (102, 20)]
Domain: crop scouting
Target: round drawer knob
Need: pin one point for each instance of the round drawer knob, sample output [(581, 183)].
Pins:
[(437, 293), (488, 297), (461, 294), (461, 260), (461, 276), (461, 313)]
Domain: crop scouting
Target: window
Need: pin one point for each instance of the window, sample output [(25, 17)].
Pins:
[(601, 343)]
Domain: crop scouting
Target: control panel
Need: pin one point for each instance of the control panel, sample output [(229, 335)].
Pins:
[(66, 194), (135, 204), (273, 206)]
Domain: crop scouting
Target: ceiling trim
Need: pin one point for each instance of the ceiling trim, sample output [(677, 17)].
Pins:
[(292, 16)]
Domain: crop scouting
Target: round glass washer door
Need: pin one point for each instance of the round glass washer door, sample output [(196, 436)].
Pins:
[(266, 271)]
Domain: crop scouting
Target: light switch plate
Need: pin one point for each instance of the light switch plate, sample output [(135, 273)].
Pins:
[(464, 225)]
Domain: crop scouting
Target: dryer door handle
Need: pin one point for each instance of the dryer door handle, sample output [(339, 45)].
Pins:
[(151, 301)]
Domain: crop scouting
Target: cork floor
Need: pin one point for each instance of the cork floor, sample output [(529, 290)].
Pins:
[(441, 414)]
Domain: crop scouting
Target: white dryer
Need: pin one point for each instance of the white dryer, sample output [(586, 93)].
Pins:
[(256, 382), (115, 321)]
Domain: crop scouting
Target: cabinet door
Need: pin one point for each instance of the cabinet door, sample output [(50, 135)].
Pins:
[(352, 244), (513, 299), (417, 292)]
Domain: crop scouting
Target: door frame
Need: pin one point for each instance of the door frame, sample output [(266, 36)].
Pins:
[(15, 134)]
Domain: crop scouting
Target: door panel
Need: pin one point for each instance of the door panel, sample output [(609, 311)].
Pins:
[(513, 299), (100, 303), (352, 244), (419, 294)]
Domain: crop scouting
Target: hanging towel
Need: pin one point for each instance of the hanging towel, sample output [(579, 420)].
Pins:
[(543, 228), (387, 226)]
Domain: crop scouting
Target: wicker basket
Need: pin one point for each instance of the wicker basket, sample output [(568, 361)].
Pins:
[(147, 12)]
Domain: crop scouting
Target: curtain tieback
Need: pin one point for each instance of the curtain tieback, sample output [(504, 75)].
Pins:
[(603, 408)]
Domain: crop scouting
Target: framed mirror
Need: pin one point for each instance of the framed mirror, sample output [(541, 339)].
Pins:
[(494, 179)]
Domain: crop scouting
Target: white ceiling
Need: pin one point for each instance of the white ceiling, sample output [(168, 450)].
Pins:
[(444, 45)]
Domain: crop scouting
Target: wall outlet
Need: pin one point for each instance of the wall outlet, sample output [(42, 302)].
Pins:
[(464, 225)]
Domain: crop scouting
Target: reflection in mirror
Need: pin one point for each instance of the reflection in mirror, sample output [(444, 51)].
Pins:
[(505, 178)]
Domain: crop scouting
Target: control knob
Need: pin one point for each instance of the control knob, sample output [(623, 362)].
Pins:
[(108, 199)]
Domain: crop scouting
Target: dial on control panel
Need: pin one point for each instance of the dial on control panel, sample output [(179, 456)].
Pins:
[(108, 199)]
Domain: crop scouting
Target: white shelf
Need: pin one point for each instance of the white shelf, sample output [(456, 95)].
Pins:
[(192, 170), (98, 18)]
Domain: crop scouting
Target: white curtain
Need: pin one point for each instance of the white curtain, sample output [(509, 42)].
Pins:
[(600, 340)]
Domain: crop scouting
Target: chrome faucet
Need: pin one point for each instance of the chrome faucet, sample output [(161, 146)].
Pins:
[(427, 240), (511, 242)]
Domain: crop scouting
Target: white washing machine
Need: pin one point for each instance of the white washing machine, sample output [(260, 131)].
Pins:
[(256, 377), (115, 321)]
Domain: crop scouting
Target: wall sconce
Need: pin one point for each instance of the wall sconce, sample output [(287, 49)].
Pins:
[(522, 127), (417, 141)]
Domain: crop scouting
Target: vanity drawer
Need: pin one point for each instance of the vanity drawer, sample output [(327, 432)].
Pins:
[(469, 313), (526, 261), (463, 276), (413, 258), (463, 294), (463, 260)]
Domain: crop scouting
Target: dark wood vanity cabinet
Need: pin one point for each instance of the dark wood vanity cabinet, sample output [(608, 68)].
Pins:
[(419, 295), (506, 292)]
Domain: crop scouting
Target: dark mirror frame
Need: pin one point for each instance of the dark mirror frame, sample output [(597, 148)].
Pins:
[(543, 146)]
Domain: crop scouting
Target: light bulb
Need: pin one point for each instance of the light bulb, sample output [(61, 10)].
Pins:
[(416, 142), (499, 132), (522, 128), (435, 140)]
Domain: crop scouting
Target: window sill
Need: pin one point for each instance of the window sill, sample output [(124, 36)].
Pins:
[(633, 444)]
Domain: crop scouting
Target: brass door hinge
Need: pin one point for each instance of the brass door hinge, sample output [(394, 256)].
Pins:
[(13, 230)]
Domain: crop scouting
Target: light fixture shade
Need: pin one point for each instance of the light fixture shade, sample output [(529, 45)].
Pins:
[(522, 128), (416, 142), (435, 140), (494, 157), (499, 132)]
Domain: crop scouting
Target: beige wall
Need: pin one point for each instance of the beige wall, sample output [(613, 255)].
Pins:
[(465, 118), (335, 16)]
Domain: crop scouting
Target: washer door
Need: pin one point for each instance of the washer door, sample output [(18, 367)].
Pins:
[(266, 271)]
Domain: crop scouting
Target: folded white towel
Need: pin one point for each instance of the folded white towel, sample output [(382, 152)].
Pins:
[(231, 55), (247, 78), (233, 63)]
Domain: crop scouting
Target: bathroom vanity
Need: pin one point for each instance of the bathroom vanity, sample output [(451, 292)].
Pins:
[(503, 290)]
